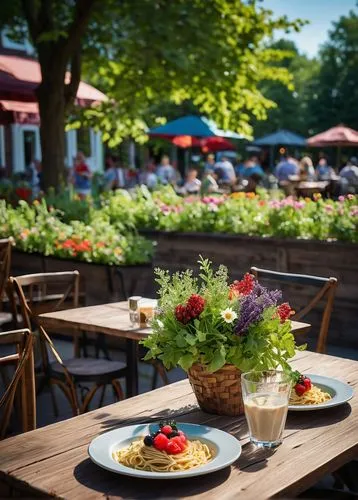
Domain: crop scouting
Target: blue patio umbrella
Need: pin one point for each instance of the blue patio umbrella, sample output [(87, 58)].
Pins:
[(281, 138), (195, 126)]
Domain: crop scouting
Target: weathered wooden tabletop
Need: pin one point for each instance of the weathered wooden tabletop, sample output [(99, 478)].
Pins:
[(112, 319), (53, 461)]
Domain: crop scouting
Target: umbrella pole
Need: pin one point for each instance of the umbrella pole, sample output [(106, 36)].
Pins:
[(338, 162), (271, 157)]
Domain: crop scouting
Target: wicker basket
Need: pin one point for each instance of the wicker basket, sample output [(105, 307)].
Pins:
[(218, 392)]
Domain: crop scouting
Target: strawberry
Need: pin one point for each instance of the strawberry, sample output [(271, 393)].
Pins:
[(300, 389), (178, 440), (166, 429), (172, 448), (307, 383), (182, 436), (160, 441)]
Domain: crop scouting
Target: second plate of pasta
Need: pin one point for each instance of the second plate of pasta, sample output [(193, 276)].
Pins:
[(326, 392), (121, 450)]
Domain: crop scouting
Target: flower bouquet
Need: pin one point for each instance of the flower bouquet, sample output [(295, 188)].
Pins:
[(215, 331)]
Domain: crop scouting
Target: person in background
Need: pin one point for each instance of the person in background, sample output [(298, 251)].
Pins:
[(225, 171), (192, 183), (323, 171), (166, 172), (349, 177), (35, 177), (81, 176), (307, 172), (248, 169), (113, 176), (209, 184), (149, 177), (286, 167), (210, 163)]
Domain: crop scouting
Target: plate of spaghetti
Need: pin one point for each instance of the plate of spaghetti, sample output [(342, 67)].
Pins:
[(316, 392), (164, 451)]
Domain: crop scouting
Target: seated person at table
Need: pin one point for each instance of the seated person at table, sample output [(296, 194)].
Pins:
[(349, 177), (149, 177), (192, 183), (323, 171), (210, 163), (248, 169), (225, 171), (166, 172), (114, 177), (307, 172), (287, 167), (209, 184), (81, 176)]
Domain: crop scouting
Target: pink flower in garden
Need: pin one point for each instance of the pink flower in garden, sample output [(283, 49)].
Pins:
[(350, 197), (299, 204), (212, 207), (354, 211), (274, 204), (341, 198), (329, 209)]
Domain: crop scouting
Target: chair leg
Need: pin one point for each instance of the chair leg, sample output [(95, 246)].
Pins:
[(53, 398), (159, 370), (154, 378), (89, 397), (102, 396), (117, 389), (68, 393)]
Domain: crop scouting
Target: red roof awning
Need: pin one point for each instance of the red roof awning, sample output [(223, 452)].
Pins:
[(20, 76)]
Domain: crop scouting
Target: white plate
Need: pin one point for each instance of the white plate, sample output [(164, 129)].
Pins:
[(340, 392), (226, 446)]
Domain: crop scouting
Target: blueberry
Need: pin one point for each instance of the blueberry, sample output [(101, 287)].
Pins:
[(148, 440)]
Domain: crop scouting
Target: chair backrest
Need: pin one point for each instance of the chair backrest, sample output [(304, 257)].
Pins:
[(326, 291), (23, 379), (34, 294), (5, 263)]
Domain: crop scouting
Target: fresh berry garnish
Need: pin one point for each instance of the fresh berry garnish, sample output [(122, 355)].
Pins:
[(182, 436), (300, 389), (173, 434), (179, 441), (148, 440), (307, 383), (173, 448), (160, 442), (167, 429)]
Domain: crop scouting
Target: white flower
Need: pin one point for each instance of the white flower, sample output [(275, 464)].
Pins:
[(228, 315)]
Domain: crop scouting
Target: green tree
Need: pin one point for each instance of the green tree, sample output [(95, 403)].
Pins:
[(141, 52), (335, 96), (292, 110)]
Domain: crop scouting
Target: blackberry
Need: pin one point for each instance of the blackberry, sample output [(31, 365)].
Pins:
[(148, 440), (173, 434)]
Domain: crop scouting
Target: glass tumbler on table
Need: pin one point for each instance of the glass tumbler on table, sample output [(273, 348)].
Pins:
[(266, 395), (133, 304)]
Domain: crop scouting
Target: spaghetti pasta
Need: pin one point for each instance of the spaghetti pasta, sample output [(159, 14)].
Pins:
[(314, 396), (139, 456)]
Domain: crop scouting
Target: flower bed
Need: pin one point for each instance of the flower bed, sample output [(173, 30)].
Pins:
[(240, 213), (35, 228)]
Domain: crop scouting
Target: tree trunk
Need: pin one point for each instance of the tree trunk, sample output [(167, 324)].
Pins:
[(51, 100)]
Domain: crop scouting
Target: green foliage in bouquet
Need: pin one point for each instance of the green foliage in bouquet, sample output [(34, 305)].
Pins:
[(206, 320)]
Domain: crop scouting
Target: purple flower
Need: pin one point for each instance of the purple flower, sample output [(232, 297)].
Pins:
[(253, 305)]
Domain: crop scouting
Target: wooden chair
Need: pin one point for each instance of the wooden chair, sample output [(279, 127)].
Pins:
[(327, 289), (47, 292), (5, 263), (23, 379)]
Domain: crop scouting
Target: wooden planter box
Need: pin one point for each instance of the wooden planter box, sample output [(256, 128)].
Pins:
[(102, 283), (177, 251)]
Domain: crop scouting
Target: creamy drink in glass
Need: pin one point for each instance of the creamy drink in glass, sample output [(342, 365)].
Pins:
[(266, 396)]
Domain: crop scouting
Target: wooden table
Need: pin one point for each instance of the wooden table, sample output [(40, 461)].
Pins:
[(113, 319), (54, 460)]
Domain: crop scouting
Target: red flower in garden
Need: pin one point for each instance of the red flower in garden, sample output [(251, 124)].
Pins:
[(193, 308), (284, 311), (243, 287)]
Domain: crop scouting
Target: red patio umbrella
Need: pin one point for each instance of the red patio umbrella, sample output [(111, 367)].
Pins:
[(339, 136), (208, 144), (335, 136)]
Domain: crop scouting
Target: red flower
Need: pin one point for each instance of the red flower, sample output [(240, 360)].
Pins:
[(243, 287), (193, 308), (284, 311)]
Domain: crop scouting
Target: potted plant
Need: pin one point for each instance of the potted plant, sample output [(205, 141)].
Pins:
[(215, 331)]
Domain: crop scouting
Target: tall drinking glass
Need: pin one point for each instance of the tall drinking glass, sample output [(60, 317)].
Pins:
[(266, 396)]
